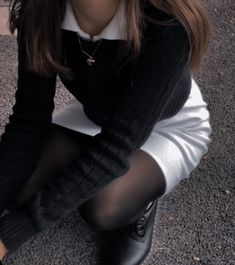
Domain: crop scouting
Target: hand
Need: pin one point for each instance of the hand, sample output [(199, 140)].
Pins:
[(3, 250)]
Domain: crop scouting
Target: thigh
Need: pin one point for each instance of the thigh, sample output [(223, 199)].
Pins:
[(124, 198), (61, 148)]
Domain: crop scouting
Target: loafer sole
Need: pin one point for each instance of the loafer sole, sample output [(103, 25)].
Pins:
[(154, 239)]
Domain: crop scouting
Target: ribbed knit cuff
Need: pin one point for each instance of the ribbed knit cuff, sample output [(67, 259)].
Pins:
[(15, 229)]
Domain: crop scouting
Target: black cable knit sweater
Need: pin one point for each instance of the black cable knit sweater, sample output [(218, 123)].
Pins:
[(127, 104)]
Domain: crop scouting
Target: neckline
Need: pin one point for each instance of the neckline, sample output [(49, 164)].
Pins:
[(115, 29)]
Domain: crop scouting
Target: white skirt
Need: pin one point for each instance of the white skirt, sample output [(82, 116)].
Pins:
[(177, 144)]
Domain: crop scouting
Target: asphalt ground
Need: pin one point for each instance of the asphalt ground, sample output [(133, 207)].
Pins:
[(197, 219)]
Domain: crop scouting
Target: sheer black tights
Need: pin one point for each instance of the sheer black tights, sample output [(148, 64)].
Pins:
[(120, 202)]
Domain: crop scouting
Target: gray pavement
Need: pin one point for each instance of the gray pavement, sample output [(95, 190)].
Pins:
[(197, 219)]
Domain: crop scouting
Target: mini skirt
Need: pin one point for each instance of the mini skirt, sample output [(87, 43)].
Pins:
[(177, 144)]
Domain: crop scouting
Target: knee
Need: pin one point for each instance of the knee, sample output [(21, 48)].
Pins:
[(102, 217)]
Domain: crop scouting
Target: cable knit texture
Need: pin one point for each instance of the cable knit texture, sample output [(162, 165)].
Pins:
[(150, 88)]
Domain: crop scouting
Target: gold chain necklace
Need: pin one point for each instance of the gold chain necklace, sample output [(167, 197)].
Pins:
[(90, 61)]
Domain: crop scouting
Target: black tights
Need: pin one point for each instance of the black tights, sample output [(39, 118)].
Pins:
[(120, 202)]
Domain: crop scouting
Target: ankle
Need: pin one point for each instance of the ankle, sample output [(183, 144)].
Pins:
[(141, 212), (149, 206)]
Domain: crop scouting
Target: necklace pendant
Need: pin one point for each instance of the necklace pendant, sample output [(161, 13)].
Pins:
[(90, 61)]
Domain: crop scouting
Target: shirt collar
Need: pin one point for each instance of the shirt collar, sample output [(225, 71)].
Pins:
[(114, 30)]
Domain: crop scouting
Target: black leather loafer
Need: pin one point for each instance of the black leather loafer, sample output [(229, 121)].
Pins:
[(132, 244)]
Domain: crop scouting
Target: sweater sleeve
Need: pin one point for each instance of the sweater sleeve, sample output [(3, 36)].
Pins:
[(157, 70), (27, 128)]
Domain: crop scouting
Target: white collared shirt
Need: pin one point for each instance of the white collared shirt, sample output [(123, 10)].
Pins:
[(116, 28)]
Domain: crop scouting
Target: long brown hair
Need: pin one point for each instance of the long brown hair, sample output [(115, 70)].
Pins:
[(42, 20)]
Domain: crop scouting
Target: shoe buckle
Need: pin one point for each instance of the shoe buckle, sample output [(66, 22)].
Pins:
[(140, 226)]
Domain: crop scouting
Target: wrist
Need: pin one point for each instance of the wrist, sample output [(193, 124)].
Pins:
[(3, 250)]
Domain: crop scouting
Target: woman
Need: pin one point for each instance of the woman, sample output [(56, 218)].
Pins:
[(136, 126)]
